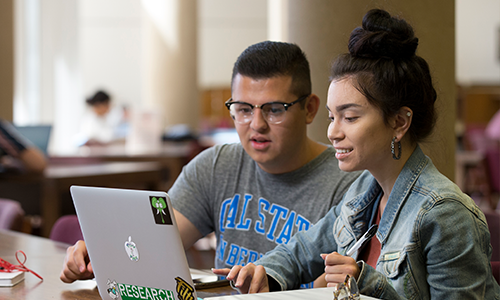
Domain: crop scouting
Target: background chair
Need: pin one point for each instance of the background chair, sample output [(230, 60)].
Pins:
[(493, 219), (67, 230), (484, 177), (11, 215), (495, 269)]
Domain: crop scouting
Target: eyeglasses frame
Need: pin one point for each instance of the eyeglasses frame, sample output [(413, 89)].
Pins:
[(285, 104)]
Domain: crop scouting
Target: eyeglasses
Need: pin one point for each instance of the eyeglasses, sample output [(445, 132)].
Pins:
[(274, 112)]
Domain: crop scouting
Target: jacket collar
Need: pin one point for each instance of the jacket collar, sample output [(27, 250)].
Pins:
[(402, 188)]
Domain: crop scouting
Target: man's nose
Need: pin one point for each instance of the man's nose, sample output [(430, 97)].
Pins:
[(259, 121)]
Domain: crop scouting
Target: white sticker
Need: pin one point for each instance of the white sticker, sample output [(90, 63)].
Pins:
[(131, 250)]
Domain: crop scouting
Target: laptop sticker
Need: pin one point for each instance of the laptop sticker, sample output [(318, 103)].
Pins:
[(131, 249), (129, 292), (160, 210), (112, 289), (184, 290)]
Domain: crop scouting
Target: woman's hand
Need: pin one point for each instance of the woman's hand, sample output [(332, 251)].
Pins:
[(248, 279), (337, 267)]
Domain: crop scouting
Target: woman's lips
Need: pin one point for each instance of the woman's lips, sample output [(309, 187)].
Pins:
[(342, 153)]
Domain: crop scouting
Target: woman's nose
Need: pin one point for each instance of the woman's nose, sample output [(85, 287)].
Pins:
[(334, 132)]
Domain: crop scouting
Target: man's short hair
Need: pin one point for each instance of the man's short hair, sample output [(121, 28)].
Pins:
[(270, 59)]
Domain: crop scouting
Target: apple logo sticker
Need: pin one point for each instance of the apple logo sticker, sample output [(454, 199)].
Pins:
[(131, 250)]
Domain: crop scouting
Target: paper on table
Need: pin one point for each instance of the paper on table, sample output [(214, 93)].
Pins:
[(11, 278), (317, 294), (197, 274)]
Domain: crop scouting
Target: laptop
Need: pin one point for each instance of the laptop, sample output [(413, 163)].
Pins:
[(39, 135), (133, 243)]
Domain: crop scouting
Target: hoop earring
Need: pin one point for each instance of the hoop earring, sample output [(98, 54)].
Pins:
[(393, 150)]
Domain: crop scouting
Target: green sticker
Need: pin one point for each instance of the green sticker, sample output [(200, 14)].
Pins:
[(160, 205), (160, 210)]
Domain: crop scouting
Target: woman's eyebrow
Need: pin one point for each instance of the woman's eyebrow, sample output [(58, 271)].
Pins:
[(346, 106)]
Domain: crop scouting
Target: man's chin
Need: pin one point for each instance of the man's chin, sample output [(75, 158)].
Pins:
[(262, 158)]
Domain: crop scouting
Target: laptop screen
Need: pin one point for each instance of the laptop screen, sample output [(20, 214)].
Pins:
[(39, 135)]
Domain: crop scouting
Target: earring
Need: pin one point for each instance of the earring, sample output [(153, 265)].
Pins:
[(408, 114), (393, 151)]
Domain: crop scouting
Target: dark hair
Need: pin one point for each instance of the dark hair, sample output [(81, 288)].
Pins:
[(269, 59), (99, 97), (385, 69)]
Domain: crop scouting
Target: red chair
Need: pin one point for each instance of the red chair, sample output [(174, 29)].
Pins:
[(495, 269), (486, 174), (11, 215), (67, 230), (493, 219)]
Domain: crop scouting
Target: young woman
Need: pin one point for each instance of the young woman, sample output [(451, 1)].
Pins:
[(432, 241)]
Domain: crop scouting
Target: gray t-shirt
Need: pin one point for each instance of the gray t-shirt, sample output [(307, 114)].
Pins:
[(250, 210)]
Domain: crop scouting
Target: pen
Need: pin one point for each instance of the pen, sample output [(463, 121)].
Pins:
[(363, 240)]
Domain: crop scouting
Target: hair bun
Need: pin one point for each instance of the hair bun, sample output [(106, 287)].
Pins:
[(383, 36)]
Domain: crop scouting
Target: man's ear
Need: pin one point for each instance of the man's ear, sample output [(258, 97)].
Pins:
[(311, 107), (401, 122)]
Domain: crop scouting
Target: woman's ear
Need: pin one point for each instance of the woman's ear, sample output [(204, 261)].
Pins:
[(402, 121), (312, 106)]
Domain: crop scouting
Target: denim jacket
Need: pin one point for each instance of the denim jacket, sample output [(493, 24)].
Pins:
[(435, 242)]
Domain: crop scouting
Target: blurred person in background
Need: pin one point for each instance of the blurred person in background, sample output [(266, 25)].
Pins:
[(103, 123), (17, 153)]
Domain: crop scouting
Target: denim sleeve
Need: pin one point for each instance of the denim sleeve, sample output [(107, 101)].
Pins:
[(453, 257), (455, 244), (299, 261), (375, 284)]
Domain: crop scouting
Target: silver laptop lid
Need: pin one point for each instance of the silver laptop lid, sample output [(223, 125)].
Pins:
[(133, 243)]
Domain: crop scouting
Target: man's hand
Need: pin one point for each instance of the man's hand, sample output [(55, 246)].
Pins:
[(248, 279), (77, 264)]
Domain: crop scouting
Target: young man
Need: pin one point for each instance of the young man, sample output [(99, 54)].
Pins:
[(255, 194)]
